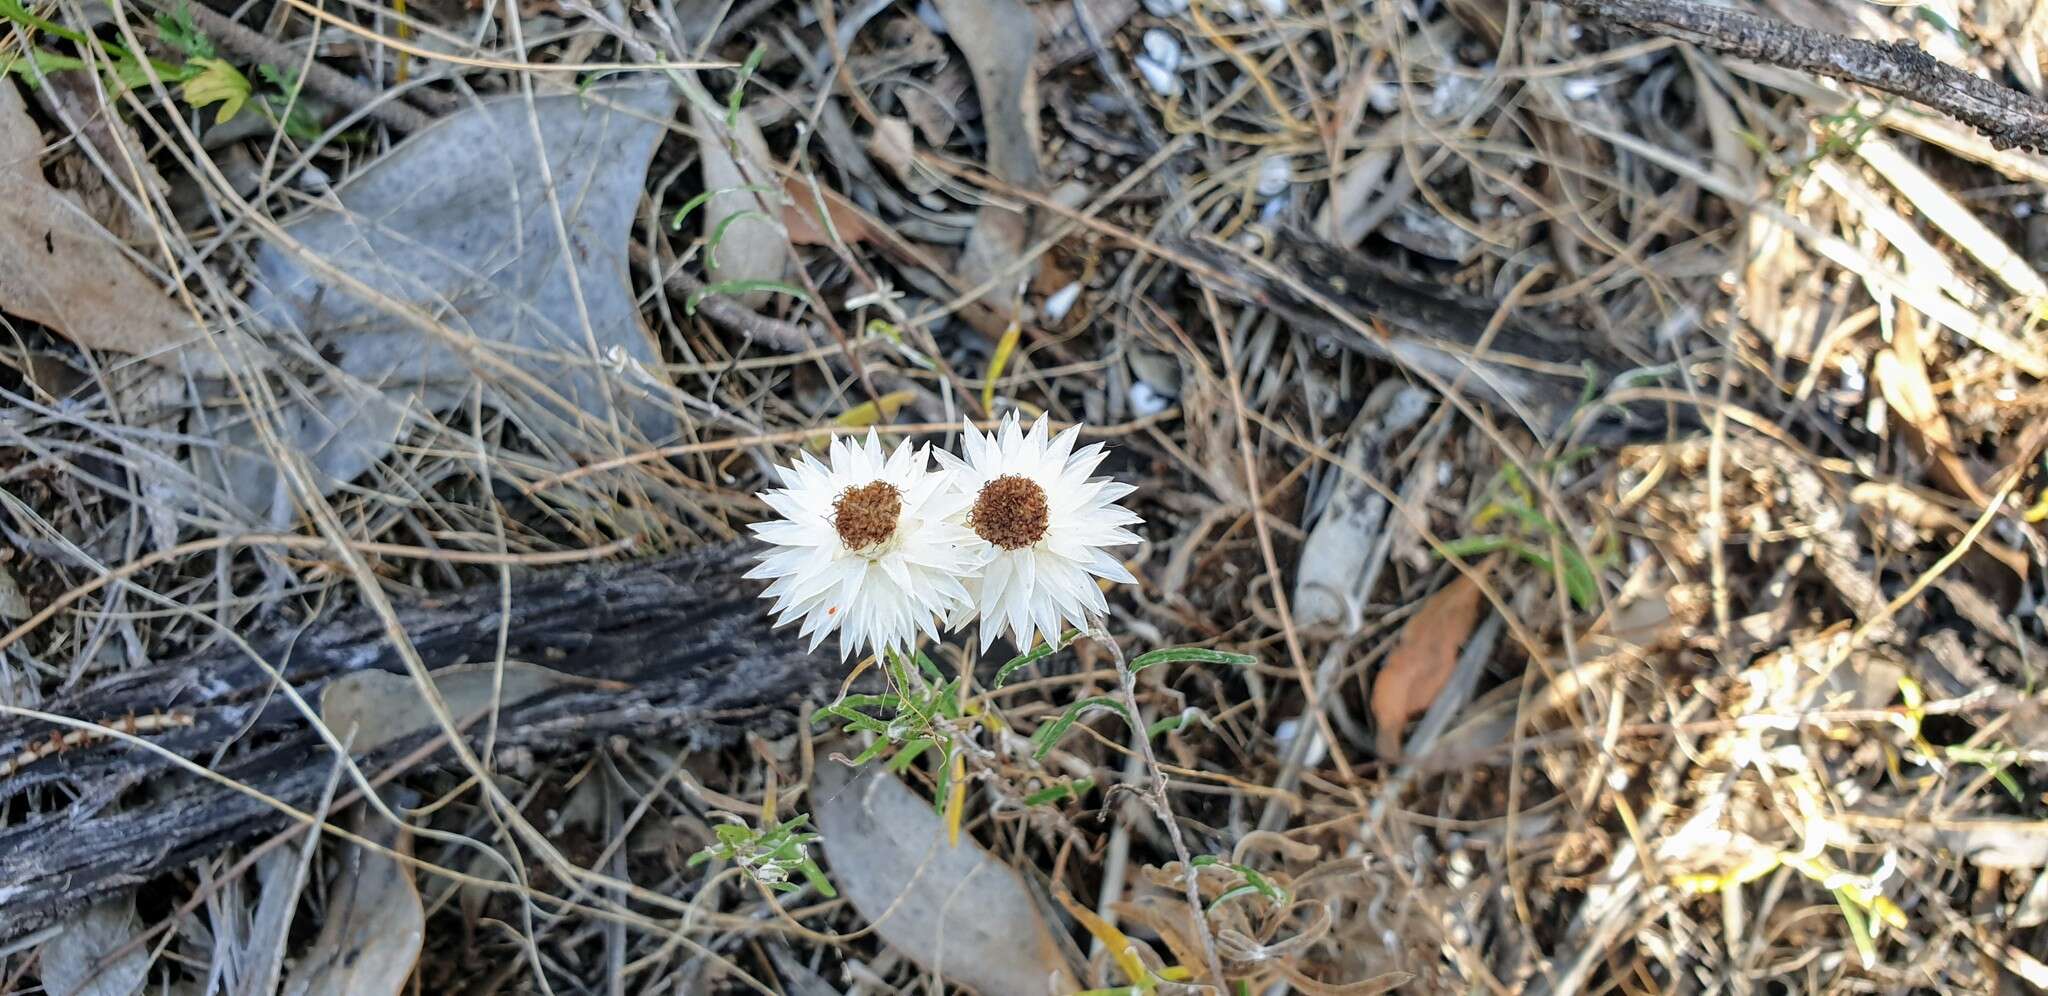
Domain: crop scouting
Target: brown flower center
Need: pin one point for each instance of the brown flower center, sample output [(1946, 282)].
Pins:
[(1010, 512), (866, 516)]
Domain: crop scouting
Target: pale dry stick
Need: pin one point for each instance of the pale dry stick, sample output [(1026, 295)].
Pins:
[(1920, 256), (1943, 211), (1296, 655), (1116, 862)]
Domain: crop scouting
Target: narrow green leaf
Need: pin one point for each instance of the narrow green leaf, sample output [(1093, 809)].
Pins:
[(1055, 793), (874, 750), (698, 201), (718, 233), (909, 754), (1038, 653), (1048, 736), (732, 100), (1467, 547), (1191, 655), (1579, 580), (816, 876), (741, 287)]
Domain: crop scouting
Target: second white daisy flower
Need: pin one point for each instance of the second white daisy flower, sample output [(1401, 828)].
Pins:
[(871, 547), (1041, 526)]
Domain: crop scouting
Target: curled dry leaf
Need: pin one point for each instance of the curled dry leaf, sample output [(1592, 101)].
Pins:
[(1902, 376), (1423, 658), (896, 146)]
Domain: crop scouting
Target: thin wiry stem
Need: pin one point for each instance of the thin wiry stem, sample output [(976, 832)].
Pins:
[(1155, 793)]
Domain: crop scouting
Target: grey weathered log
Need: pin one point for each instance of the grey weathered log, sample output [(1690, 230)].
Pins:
[(2006, 116), (685, 636)]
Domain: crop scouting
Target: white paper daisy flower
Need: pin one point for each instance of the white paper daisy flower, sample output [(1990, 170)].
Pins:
[(870, 546), (1041, 526)]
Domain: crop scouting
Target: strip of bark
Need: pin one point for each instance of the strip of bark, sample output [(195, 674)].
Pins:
[(2009, 118)]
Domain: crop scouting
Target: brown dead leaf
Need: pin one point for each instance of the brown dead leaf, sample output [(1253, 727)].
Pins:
[(806, 224), (60, 268), (1423, 658)]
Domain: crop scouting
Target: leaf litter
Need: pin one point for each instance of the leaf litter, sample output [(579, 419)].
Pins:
[(1782, 725)]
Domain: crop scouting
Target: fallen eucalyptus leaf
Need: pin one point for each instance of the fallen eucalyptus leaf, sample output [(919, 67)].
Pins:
[(1423, 659), (440, 270), (371, 938), (69, 960), (958, 911), (741, 241), (1000, 39), (382, 706)]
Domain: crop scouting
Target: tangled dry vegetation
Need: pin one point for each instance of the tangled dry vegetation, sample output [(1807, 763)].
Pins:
[(1645, 579)]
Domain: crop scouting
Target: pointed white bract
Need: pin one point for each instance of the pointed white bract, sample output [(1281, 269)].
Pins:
[(873, 547), (881, 548), (1041, 528)]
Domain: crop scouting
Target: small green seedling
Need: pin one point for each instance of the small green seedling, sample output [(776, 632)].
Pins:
[(768, 856)]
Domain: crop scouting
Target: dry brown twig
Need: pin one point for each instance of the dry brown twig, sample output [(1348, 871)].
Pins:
[(2007, 117)]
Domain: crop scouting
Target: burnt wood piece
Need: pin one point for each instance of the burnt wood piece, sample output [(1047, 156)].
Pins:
[(686, 636)]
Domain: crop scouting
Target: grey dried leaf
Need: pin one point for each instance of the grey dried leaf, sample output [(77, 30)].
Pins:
[(743, 242), (70, 962), (381, 707), (1000, 39), (441, 270), (959, 912), (374, 925)]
